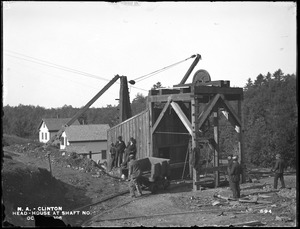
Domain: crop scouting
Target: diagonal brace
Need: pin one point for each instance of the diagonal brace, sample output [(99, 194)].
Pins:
[(231, 112), (161, 115), (182, 117), (208, 110)]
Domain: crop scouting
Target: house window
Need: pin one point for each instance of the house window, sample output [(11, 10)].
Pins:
[(103, 152), (45, 136), (62, 140), (42, 135)]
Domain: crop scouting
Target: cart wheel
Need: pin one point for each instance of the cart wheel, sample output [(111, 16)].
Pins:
[(153, 188)]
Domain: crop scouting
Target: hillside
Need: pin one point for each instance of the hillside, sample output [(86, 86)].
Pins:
[(27, 181)]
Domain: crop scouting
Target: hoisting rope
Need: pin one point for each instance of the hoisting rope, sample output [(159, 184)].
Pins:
[(161, 70)]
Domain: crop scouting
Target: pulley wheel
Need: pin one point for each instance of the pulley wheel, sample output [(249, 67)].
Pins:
[(201, 76)]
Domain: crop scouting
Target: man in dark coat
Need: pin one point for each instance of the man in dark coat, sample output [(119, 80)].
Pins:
[(113, 152), (235, 172), (278, 169), (229, 158), (134, 175), (130, 149), (120, 146)]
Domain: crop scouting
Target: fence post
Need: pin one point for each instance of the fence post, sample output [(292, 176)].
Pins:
[(48, 155), (90, 154)]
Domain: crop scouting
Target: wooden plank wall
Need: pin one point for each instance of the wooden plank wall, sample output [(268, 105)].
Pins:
[(136, 127)]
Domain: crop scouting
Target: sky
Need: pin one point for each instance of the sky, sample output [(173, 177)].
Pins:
[(64, 53)]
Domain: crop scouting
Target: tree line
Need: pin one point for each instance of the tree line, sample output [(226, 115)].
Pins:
[(269, 114), (23, 120)]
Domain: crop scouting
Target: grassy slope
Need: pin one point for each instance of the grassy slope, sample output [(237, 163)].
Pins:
[(13, 139)]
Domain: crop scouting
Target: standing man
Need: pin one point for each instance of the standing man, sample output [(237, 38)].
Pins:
[(134, 174), (235, 172), (229, 158), (113, 153), (120, 146), (278, 169), (130, 149)]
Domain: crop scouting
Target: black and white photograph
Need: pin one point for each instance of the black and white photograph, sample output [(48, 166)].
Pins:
[(149, 114)]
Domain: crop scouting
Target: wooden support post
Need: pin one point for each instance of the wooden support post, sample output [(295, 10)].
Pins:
[(194, 114), (216, 150), (90, 154), (241, 143), (151, 123), (124, 102)]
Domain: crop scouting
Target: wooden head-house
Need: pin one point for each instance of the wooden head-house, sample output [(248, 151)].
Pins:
[(175, 123)]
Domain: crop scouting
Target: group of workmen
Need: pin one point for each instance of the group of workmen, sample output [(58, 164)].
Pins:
[(125, 157), (234, 171), (120, 153)]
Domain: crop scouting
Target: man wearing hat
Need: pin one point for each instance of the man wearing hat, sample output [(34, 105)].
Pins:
[(112, 153), (130, 149), (134, 174), (120, 146), (235, 172), (278, 169)]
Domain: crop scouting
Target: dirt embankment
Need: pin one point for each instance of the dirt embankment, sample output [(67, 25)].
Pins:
[(74, 182)]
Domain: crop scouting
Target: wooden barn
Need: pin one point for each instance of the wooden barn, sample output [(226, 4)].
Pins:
[(88, 140), (175, 123)]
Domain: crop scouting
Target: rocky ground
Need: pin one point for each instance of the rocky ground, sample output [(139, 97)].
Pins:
[(180, 206), (78, 185)]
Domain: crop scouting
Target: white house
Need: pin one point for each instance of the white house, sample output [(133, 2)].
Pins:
[(48, 127), (90, 140)]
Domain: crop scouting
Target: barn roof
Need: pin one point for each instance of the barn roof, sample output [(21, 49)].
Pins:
[(54, 124), (94, 132)]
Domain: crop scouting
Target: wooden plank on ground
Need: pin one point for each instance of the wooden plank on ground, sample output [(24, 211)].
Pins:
[(250, 223)]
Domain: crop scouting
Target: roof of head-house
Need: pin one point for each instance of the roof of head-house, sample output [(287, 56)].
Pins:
[(93, 132), (55, 124)]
